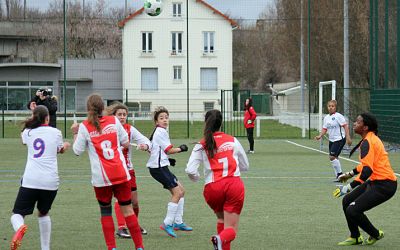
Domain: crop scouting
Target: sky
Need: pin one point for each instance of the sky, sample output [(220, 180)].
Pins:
[(245, 9)]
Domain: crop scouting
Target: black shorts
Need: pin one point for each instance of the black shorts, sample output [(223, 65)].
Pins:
[(164, 176), (27, 197), (335, 148)]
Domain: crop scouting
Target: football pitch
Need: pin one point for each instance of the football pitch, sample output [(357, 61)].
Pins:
[(288, 205)]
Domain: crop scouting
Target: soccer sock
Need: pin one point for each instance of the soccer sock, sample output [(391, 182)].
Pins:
[(179, 211), (220, 227), (171, 213), (134, 229), (45, 231), (119, 215), (336, 166), (227, 235), (17, 221), (107, 224)]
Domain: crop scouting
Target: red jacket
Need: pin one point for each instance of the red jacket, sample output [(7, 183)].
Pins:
[(249, 114)]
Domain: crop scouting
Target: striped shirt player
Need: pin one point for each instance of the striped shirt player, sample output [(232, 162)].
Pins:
[(107, 161), (223, 158), (110, 175)]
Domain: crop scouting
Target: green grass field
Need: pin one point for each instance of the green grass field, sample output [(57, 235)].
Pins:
[(289, 203)]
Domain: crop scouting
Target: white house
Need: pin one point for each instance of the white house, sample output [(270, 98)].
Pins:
[(178, 57)]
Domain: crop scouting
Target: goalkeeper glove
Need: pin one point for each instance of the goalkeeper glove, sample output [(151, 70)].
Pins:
[(249, 121), (342, 190), (172, 162), (183, 148), (344, 177)]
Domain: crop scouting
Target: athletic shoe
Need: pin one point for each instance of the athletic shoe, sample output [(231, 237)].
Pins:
[(250, 151), (143, 231), (139, 248), (182, 227), (17, 238), (352, 241), (123, 233), (168, 229), (217, 243), (371, 240)]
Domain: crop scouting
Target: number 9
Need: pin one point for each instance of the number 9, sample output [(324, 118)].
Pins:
[(38, 144)]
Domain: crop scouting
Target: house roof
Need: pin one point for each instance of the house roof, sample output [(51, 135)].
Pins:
[(122, 23)]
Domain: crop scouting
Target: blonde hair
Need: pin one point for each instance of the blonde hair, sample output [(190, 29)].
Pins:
[(332, 101), (112, 109)]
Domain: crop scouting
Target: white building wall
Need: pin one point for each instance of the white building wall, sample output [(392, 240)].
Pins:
[(171, 94)]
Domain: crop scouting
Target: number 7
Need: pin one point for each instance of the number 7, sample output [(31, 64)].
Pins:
[(225, 165)]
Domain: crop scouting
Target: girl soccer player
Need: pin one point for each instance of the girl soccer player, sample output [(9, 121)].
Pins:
[(103, 136), (121, 112), (376, 182), (158, 164), (223, 158), (40, 181), (336, 126)]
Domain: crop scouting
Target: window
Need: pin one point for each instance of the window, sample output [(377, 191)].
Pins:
[(18, 83), (176, 43), (147, 42), (177, 9), (18, 98), (208, 106), (208, 38), (208, 79), (178, 73), (150, 79)]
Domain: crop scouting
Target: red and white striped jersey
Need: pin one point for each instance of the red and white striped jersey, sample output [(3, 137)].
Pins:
[(229, 160), (134, 136), (105, 154)]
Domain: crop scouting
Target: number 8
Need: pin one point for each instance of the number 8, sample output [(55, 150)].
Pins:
[(108, 152)]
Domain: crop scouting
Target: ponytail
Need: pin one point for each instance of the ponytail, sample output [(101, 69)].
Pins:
[(213, 122), (95, 107), (38, 118)]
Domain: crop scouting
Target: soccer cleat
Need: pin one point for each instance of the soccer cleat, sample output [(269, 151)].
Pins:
[(250, 151), (182, 227), (217, 243), (17, 238), (168, 229), (139, 248), (123, 233), (352, 241), (371, 240), (143, 231)]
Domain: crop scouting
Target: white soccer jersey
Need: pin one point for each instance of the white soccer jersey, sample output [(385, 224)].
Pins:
[(41, 171), (160, 145), (334, 124), (106, 159), (136, 137), (229, 160)]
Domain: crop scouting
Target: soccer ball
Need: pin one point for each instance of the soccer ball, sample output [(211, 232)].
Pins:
[(152, 7)]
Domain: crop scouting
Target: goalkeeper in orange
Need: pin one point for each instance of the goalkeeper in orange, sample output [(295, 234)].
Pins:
[(375, 182)]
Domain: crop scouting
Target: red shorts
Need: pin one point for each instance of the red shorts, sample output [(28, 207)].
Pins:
[(226, 194), (133, 180), (120, 191)]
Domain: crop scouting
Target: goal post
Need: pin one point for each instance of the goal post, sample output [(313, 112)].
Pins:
[(321, 102)]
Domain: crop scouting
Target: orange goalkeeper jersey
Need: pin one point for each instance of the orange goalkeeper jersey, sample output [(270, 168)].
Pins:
[(374, 155)]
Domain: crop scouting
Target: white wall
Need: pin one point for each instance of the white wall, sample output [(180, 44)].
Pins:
[(171, 94)]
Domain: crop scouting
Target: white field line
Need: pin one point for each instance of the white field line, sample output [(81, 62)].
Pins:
[(313, 149)]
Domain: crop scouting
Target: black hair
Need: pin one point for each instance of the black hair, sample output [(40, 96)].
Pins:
[(213, 122), (250, 104), (156, 113), (371, 122), (38, 117)]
